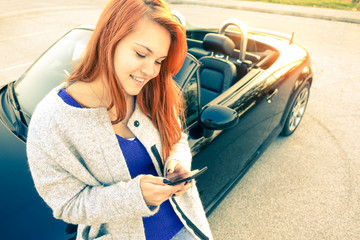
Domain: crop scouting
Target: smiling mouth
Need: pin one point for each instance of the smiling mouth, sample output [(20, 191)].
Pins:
[(137, 79)]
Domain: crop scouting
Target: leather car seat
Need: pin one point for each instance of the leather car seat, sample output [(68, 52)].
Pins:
[(216, 73)]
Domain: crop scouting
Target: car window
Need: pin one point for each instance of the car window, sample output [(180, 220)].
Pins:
[(186, 78), (190, 65), (190, 92)]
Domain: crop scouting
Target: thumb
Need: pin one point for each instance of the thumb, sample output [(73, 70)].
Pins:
[(171, 166)]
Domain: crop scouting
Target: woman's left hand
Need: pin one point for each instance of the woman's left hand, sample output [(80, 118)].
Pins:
[(176, 168)]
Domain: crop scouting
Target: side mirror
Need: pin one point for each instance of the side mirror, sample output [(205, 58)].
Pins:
[(216, 117)]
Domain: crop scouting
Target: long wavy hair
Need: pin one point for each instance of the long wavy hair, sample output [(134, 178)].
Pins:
[(160, 98)]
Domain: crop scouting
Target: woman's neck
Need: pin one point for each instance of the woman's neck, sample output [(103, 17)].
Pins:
[(96, 94), (100, 89)]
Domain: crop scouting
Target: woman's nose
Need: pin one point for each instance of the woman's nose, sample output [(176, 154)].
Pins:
[(148, 68)]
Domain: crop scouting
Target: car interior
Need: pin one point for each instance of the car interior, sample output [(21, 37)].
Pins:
[(217, 74), (220, 64), (226, 55)]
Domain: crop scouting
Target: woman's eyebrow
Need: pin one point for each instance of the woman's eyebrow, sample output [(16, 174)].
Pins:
[(147, 49), (144, 47)]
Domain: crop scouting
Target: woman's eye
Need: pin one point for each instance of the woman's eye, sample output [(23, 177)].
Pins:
[(140, 55), (143, 56)]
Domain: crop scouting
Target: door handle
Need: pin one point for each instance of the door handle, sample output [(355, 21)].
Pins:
[(271, 94)]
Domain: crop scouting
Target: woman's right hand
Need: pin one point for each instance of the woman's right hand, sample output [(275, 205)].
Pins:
[(155, 191)]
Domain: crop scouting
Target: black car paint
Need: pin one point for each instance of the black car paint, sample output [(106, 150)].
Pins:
[(23, 214), (239, 143), (262, 103), (260, 100)]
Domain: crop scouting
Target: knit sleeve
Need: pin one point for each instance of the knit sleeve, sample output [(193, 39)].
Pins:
[(70, 190)]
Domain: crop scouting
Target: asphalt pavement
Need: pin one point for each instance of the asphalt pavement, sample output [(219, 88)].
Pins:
[(274, 8), (303, 187), (280, 9)]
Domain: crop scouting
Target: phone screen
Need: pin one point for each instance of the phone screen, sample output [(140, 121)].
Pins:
[(174, 180)]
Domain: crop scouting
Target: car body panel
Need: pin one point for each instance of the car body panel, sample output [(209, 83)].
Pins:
[(23, 214)]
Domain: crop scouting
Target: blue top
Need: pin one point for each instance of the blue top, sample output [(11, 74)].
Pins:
[(163, 225)]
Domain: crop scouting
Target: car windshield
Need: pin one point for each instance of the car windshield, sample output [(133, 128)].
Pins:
[(56, 65), (51, 69)]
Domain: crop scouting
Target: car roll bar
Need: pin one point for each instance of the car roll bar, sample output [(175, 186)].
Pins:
[(244, 34), (179, 17)]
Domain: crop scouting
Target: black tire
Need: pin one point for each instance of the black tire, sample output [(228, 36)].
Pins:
[(297, 111)]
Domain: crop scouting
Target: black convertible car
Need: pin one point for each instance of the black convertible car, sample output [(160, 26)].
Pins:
[(243, 88)]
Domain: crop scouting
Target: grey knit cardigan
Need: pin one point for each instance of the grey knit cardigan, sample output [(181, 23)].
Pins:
[(80, 172)]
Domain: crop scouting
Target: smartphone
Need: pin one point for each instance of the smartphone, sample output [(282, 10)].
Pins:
[(174, 180)]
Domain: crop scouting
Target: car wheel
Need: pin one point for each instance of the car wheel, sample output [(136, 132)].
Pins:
[(297, 111)]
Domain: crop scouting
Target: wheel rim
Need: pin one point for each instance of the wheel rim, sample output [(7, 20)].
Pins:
[(299, 109)]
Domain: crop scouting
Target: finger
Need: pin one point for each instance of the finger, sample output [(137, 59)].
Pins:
[(171, 166), (188, 185), (154, 180), (154, 191), (184, 187), (181, 188)]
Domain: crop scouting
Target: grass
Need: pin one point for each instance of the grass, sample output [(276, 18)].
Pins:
[(335, 4)]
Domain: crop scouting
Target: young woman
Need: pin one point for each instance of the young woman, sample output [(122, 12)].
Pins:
[(102, 144)]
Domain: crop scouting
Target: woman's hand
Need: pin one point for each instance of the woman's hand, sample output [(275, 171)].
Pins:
[(155, 190), (176, 168)]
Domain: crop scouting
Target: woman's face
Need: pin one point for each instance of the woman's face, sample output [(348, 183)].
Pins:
[(139, 55)]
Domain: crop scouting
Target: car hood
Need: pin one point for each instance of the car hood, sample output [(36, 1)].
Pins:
[(23, 214)]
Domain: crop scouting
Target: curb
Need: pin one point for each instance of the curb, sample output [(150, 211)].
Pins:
[(275, 10)]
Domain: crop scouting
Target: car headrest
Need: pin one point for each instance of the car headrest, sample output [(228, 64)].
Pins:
[(218, 43)]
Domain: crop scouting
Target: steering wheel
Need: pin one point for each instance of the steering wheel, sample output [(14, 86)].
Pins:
[(244, 32)]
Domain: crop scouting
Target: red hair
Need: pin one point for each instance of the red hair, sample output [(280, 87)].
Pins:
[(160, 98)]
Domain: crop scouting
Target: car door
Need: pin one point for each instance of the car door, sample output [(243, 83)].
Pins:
[(228, 153), (289, 74)]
